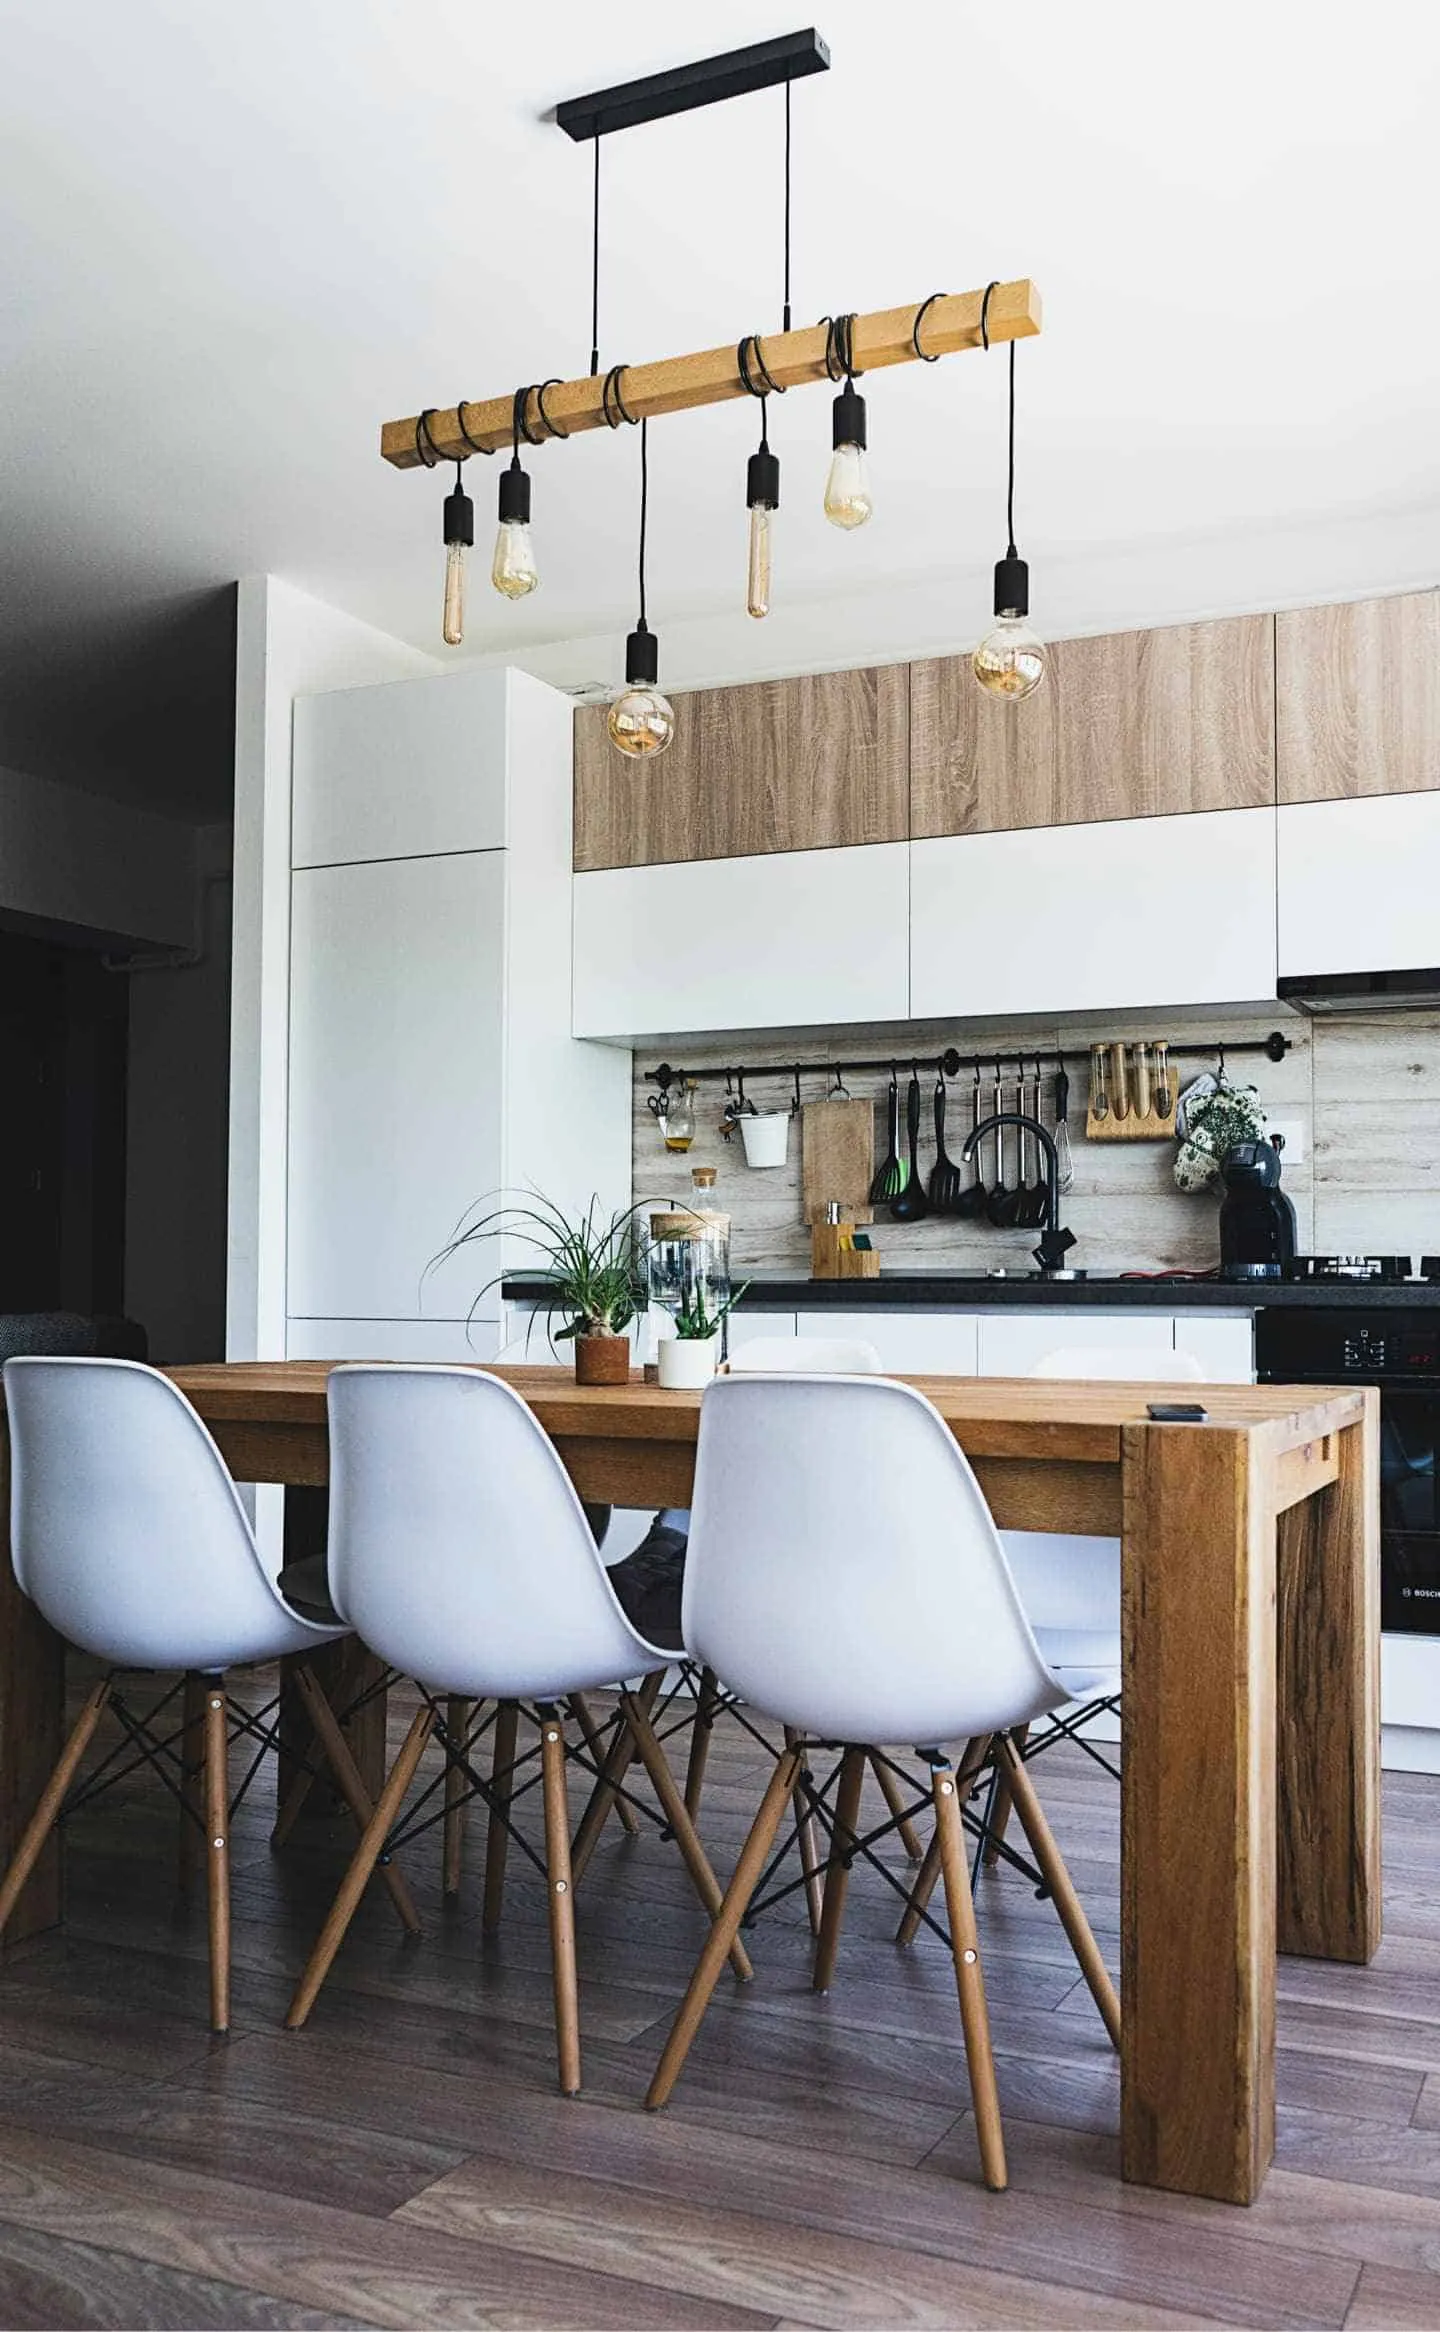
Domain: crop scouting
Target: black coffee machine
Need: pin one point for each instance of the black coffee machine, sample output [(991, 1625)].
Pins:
[(1257, 1221)]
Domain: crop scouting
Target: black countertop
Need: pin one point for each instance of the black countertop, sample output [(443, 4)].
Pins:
[(961, 1291)]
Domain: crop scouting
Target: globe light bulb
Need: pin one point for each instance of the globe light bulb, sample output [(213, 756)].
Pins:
[(513, 570), (847, 488), (762, 493), (1010, 660), (641, 722), (459, 533)]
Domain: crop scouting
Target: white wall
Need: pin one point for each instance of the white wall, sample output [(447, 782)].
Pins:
[(73, 857), (286, 643)]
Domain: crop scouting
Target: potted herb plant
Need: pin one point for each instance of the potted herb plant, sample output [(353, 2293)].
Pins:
[(591, 1268), (687, 1359)]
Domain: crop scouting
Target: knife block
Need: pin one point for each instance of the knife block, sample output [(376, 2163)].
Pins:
[(830, 1260)]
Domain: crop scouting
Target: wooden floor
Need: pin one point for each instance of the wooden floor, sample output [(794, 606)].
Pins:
[(406, 2161)]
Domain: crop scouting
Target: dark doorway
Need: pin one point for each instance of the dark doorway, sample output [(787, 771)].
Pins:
[(63, 1026)]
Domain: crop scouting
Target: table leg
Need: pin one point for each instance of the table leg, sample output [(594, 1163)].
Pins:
[(1329, 1709), (1197, 2108), (32, 1729)]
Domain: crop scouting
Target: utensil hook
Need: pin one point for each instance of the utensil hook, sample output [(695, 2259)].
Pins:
[(795, 1104), (839, 1091)]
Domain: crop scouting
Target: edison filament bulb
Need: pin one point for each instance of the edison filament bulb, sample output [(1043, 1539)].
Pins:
[(513, 570), (459, 531), (847, 488)]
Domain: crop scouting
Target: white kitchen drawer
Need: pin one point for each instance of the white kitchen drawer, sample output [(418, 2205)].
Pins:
[(1357, 885), (1138, 911), (402, 771), (745, 1327), (1222, 1342), (940, 1344), (1012, 1344), (423, 1340), (794, 938)]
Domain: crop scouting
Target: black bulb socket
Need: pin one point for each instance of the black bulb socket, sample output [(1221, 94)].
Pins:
[(762, 481), (847, 418), (1012, 585), (459, 518), (642, 657), (514, 496)]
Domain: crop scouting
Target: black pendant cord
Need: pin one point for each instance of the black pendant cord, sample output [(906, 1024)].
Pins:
[(644, 510), (1010, 552), (785, 313), (595, 268)]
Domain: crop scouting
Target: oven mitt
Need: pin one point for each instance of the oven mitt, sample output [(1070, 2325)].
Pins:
[(1210, 1115)]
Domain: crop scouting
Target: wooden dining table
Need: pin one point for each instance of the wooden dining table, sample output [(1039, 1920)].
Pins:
[(1250, 1808)]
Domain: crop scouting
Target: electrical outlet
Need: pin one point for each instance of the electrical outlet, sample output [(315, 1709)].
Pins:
[(1292, 1131)]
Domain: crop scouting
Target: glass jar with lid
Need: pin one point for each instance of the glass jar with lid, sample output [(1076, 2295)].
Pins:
[(688, 1258)]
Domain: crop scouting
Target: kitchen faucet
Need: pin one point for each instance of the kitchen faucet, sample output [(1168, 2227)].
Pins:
[(1055, 1240)]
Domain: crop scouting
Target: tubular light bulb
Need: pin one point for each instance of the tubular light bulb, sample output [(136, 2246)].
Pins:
[(762, 493), (847, 488), (459, 534), (513, 570)]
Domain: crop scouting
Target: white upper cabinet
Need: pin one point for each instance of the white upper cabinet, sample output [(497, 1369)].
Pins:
[(396, 1081), (1140, 911), (405, 771), (794, 938), (1358, 885)]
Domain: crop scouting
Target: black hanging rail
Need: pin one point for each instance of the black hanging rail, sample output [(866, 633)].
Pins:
[(950, 1063)]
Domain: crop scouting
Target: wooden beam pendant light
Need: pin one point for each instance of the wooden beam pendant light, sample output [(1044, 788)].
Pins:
[(840, 349), (677, 384)]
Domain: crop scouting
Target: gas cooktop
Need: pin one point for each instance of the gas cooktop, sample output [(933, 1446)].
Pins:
[(1375, 1270)]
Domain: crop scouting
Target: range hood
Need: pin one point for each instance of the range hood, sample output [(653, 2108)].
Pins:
[(1329, 994)]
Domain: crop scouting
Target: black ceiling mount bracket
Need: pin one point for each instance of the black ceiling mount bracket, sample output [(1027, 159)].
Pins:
[(764, 65)]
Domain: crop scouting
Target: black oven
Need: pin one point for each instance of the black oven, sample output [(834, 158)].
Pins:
[(1400, 1352)]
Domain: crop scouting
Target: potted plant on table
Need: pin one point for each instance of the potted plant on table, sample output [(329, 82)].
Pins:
[(591, 1269), (687, 1359)]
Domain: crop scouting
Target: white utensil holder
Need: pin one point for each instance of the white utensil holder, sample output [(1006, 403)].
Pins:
[(766, 1137)]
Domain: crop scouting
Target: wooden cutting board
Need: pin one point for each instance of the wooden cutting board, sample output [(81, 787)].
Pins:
[(839, 1158)]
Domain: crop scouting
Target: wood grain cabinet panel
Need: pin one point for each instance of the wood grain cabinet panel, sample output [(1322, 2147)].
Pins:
[(1132, 725), (816, 763), (1358, 698)]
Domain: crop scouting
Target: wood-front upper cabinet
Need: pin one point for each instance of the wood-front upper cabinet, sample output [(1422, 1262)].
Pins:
[(1358, 698), (816, 763), (1132, 725)]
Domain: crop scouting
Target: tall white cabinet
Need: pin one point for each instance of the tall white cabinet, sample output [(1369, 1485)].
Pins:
[(431, 1060)]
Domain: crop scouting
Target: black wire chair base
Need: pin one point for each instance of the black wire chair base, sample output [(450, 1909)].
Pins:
[(160, 1753)]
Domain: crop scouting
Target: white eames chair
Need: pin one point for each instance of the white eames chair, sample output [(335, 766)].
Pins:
[(460, 1553), (128, 1533), (845, 1576)]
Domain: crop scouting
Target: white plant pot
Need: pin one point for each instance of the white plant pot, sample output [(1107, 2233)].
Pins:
[(687, 1363), (766, 1138)]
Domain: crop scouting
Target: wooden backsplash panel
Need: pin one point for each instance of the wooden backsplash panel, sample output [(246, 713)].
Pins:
[(1124, 1207)]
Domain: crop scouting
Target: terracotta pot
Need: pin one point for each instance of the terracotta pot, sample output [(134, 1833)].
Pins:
[(602, 1360)]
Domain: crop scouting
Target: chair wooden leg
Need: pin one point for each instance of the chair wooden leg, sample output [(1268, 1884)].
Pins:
[(929, 1872), (603, 1797), (727, 1926), (497, 1837), (1062, 1889), (561, 1894), (673, 1807), (997, 1819), (837, 1869), (705, 1703), (217, 1848), (594, 1739), (192, 1847), (969, 1979), (894, 1797), (458, 1714), (367, 1853), (52, 1798), (809, 1850), (348, 1780)]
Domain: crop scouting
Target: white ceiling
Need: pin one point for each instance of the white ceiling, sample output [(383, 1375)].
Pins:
[(233, 240)]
